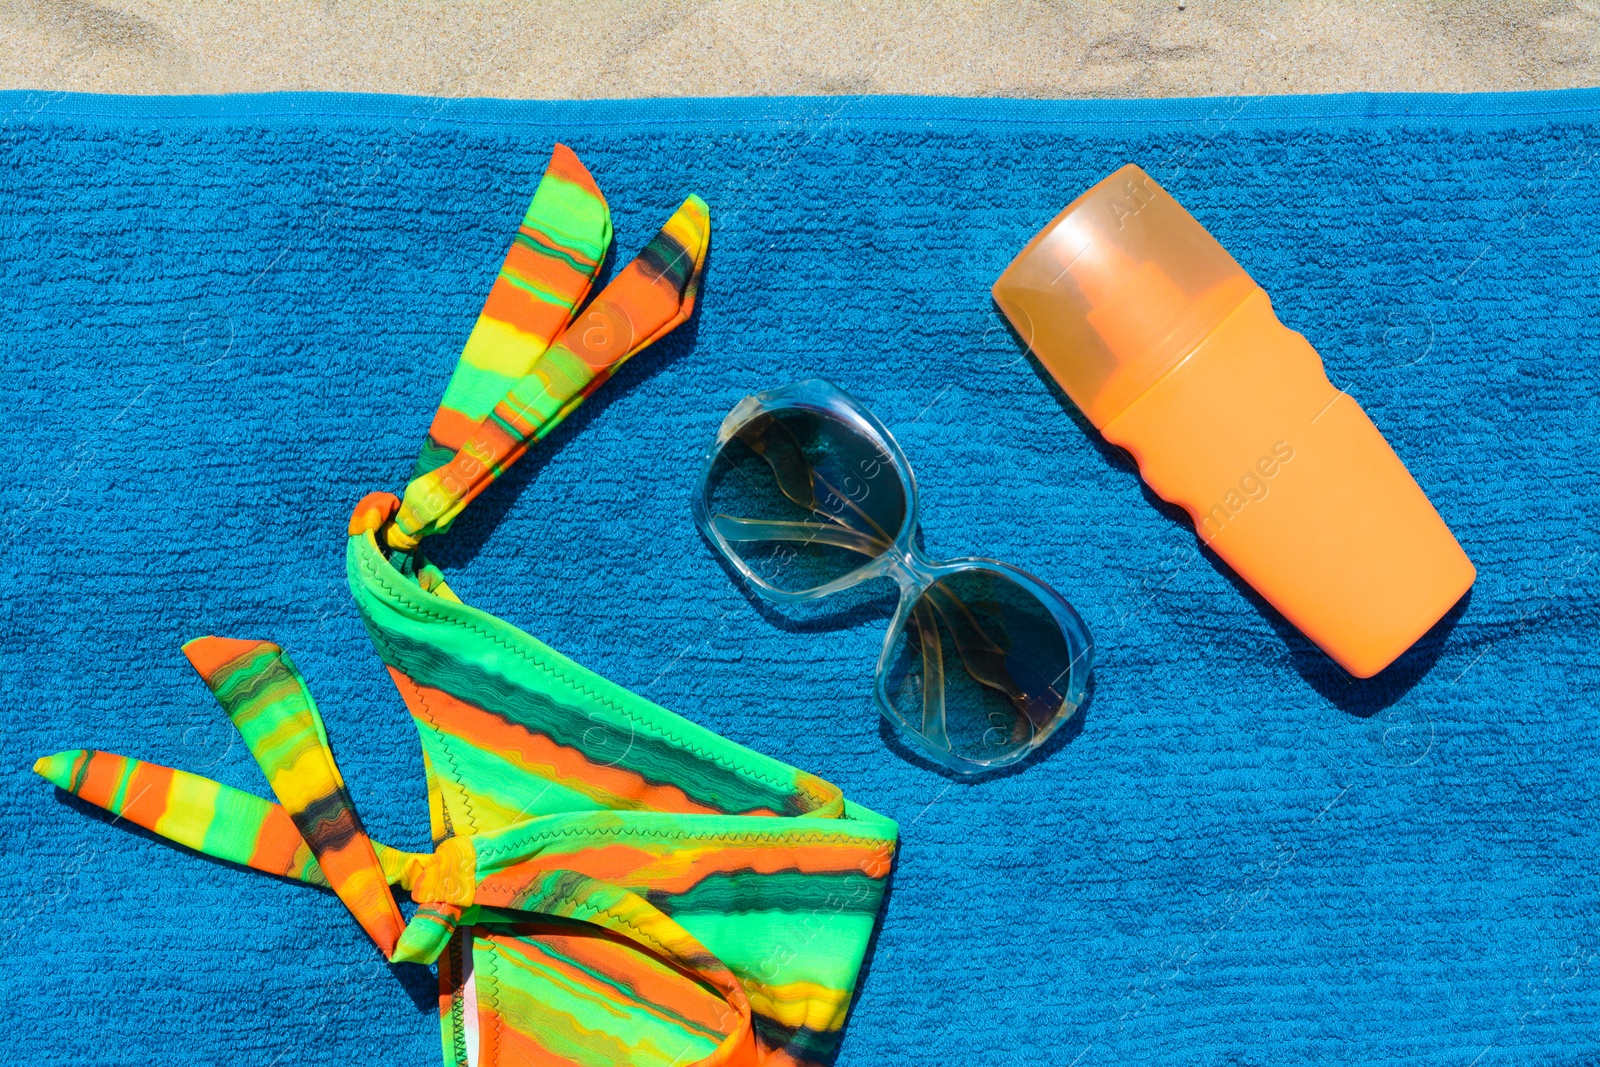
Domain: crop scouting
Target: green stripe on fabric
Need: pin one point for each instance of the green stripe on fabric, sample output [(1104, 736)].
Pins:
[(565, 212), (580, 1023), (430, 458), (779, 947), (542, 293), (119, 796), (236, 827), (477, 392), (549, 247), (498, 784), (481, 657), (604, 982), (732, 892)]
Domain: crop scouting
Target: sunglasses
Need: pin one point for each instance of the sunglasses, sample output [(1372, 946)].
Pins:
[(806, 493)]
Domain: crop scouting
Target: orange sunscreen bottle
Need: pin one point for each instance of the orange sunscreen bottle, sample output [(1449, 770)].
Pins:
[(1173, 352)]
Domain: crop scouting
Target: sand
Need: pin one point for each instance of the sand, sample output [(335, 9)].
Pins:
[(606, 48)]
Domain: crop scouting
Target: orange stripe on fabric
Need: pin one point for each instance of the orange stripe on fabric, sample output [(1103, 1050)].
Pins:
[(564, 164), (451, 428), (348, 861), (522, 310), (682, 866), (100, 778), (536, 753), (606, 333), (277, 842), (529, 263), (146, 798), (654, 984), (361, 884), (210, 654), (781, 1058)]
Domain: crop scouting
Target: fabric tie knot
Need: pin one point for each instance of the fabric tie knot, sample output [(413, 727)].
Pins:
[(446, 876), (374, 514)]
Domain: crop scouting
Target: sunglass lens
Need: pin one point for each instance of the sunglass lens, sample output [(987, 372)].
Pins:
[(982, 670), (803, 498)]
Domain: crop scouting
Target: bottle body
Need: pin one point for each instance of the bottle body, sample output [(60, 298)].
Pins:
[(1176, 355), (1294, 487)]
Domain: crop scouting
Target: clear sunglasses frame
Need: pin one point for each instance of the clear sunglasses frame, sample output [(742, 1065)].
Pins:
[(902, 560)]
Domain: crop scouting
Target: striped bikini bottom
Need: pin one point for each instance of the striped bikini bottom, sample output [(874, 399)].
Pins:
[(610, 883)]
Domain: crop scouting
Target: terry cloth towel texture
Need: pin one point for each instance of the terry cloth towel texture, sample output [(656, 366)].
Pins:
[(223, 321)]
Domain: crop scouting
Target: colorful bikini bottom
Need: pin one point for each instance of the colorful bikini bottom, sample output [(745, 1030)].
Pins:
[(610, 883)]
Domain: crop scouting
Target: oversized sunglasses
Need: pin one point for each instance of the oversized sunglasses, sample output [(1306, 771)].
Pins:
[(806, 494)]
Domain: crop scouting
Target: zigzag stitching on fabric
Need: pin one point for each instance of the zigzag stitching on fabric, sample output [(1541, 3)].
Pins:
[(784, 837), (591, 911), (458, 999), (491, 994), (578, 687), (443, 738)]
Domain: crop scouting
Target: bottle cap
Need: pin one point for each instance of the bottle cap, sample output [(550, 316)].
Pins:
[(1117, 290)]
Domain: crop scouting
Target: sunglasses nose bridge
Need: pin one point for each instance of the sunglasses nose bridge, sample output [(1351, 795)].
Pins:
[(909, 569)]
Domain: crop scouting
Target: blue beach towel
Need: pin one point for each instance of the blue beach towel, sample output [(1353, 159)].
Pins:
[(223, 321)]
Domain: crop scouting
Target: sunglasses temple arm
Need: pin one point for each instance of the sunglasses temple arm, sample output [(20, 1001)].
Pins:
[(818, 479), (933, 722), (974, 645), (742, 530), (785, 458), (784, 472)]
